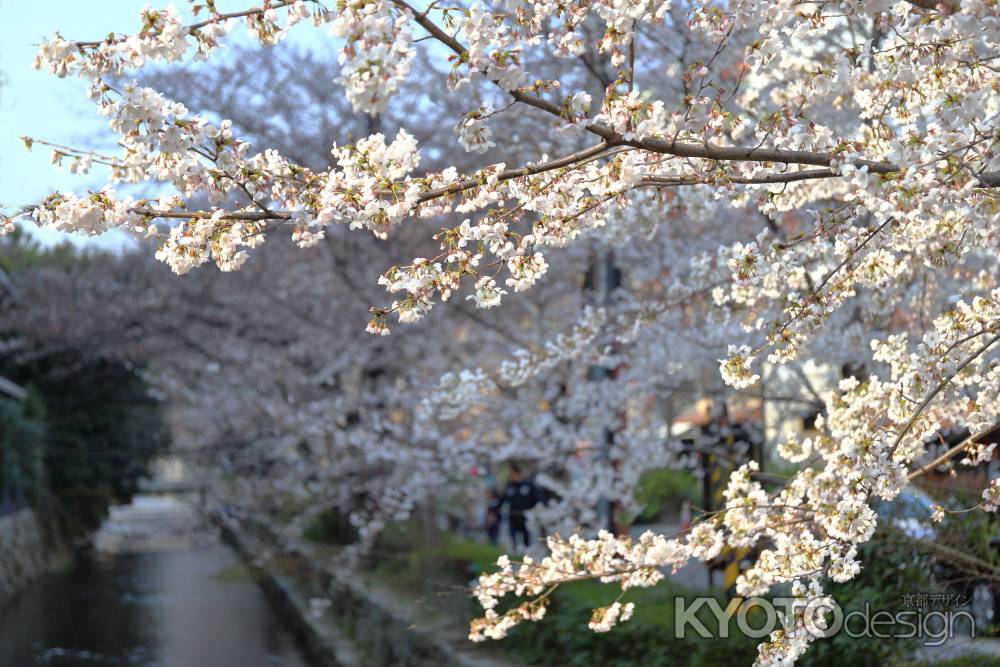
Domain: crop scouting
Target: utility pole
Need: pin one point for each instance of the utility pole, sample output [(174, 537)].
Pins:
[(603, 278)]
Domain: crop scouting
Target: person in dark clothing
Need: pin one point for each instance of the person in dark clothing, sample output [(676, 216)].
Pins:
[(520, 495), (493, 503)]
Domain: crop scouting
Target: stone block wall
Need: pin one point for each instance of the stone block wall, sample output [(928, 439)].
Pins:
[(24, 552)]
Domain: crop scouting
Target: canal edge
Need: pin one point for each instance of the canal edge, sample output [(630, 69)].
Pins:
[(361, 627)]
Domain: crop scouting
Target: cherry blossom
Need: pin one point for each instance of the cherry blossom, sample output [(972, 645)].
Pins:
[(800, 185)]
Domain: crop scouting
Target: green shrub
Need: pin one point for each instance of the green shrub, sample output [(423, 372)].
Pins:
[(444, 568), (663, 490), (648, 639), (477, 555), (330, 527), (890, 570)]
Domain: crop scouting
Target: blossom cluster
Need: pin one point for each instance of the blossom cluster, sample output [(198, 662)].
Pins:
[(794, 192)]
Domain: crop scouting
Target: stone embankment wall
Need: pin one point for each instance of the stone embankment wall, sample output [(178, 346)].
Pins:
[(26, 550), (358, 624)]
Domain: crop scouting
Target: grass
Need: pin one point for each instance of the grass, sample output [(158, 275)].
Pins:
[(235, 573), (440, 573)]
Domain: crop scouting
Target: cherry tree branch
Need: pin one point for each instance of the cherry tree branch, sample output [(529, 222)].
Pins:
[(216, 18), (684, 148), (951, 451), (939, 388)]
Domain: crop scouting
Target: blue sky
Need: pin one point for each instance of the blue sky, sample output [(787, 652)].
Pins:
[(42, 106), (39, 105)]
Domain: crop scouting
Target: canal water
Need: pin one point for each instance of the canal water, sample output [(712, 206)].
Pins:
[(160, 589)]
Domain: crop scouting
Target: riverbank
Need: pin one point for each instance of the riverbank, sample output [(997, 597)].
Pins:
[(345, 621), (29, 547), (158, 588)]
